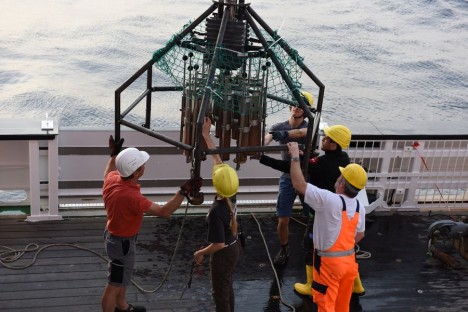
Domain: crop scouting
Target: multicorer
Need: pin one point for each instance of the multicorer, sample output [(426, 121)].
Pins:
[(230, 65)]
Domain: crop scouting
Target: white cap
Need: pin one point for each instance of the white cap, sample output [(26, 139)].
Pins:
[(129, 160)]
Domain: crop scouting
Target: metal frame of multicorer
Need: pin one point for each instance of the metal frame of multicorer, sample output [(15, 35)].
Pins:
[(245, 13)]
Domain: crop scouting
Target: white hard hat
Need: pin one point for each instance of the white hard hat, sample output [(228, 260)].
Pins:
[(129, 160)]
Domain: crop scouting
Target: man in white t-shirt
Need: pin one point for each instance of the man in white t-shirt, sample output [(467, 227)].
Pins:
[(339, 224)]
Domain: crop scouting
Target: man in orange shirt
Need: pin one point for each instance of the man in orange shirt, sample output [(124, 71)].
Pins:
[(125, 207)]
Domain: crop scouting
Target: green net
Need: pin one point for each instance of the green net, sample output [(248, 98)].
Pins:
[(253, 74), (246, 79)]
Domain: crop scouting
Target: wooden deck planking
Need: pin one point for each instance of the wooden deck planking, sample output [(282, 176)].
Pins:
[(399, 276)]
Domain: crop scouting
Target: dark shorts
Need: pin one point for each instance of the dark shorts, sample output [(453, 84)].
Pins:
[(286, 197), (121, 253)]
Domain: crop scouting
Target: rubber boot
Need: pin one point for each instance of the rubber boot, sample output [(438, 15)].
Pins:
[(306, 289), (357, 287), (354, 305)]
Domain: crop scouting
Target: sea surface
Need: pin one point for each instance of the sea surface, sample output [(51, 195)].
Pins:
[(379, 60)]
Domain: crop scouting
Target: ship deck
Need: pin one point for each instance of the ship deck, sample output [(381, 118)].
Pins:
[(398, 275)]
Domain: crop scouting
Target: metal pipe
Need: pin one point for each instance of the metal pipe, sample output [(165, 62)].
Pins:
[(266, 71), (281, 100), (185, 32), (293, 55), (149, 86), (135, 103), (279, 66), (207, 95), (156, 135), (184, 98), (135, 76), (150, 63), (117, 116), (275, 60), (312, 128), (246, 149), (167, 88), (118, 92), (285, 47), (285, 77)]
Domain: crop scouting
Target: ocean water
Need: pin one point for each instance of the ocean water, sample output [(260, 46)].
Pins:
[(379, 60)]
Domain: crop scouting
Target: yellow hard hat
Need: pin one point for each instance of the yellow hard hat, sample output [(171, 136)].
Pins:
[(339, 134), (225, 180), (355, 175), (308, 98)]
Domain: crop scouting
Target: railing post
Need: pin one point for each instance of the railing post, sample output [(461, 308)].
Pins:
[(415, 169), (387, 153)]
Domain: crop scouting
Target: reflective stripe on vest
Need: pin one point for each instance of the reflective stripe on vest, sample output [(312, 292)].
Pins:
[(332, 254)]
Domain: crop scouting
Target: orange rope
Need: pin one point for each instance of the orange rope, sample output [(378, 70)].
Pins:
[(415, 146)]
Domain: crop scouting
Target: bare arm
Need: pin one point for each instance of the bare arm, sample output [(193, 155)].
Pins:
[(211, 248), (209, 141), (284, 134), (110, 166), (166, 210), (155, 209), (268, 139), (297, 177), (297, 133)]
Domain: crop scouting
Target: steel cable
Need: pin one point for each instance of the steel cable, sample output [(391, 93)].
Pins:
[(272, 265)]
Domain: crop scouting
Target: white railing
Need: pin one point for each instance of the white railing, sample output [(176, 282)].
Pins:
[(405, 174), (422, 175)]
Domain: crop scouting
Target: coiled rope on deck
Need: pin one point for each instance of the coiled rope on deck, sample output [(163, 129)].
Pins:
[(9, 255)]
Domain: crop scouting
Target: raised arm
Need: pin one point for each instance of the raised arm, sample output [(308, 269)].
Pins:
[(297, 177), (278, 164), (297, 133), (209, 141), (268, 139), (114, 149), (284, 134)]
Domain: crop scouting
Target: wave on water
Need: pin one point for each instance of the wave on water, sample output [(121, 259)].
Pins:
[(379, 60), (13, 196)]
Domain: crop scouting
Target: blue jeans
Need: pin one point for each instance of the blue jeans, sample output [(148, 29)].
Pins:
[(286, 197)]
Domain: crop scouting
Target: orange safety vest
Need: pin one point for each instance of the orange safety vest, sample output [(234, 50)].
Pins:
[(336, 268)]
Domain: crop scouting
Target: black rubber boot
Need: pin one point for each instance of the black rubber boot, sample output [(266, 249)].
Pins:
[(354, 305), (282, 256)]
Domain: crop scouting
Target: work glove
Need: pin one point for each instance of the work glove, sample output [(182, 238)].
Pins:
[(279, 135), (257, 155), (191, 190), (191, 185), (114, 146)]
